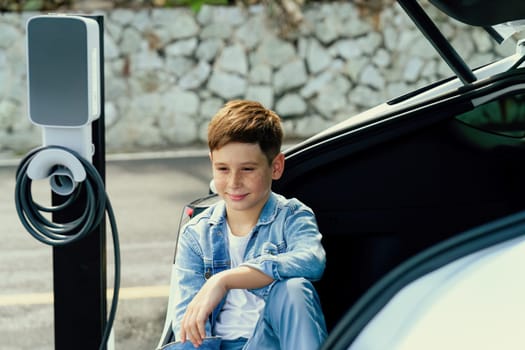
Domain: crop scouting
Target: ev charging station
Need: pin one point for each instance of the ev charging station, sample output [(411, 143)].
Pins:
[(65, 68)]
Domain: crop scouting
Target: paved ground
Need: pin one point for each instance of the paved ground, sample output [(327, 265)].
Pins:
[(148, 194)]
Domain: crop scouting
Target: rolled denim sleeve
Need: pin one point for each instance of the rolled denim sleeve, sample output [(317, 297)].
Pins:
[(299, 254), (188, 278)]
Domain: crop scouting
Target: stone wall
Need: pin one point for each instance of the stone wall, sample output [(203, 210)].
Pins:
[(167, 71)]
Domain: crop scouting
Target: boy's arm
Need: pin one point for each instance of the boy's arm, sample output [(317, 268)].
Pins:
[(188, 281), (209, 296), (302, 256)]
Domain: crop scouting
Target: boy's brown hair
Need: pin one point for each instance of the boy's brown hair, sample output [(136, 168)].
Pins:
[(247, 122)]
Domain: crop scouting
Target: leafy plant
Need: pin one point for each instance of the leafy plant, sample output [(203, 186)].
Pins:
[(195, 5)]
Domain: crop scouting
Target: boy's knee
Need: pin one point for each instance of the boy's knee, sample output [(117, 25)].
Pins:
[(293, 288), (294, 301)]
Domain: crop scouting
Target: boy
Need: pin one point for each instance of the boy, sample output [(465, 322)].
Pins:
[(243, 267)]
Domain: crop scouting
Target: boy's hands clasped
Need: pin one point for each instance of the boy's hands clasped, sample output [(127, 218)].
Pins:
[(199, 309)]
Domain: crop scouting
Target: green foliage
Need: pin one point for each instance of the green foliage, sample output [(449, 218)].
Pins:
[(51, 5), (195, 5), (33, 5)]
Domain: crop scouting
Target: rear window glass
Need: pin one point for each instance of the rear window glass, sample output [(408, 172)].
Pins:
[(505, 116)]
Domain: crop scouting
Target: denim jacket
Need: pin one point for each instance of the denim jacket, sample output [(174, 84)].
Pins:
[(285, 243)]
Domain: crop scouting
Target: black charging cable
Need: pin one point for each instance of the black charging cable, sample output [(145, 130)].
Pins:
[(59, 234)]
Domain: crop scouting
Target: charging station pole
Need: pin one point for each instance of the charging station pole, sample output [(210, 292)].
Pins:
[(79, 269)]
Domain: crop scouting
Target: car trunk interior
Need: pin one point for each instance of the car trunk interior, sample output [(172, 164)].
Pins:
[(388, 193)]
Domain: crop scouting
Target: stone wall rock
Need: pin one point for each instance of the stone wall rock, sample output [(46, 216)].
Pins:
[(167, 71)]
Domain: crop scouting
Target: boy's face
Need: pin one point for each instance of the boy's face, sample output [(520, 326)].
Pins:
[(243, 177)]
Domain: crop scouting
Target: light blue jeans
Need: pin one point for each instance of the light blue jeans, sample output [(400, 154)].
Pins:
[(292, 319)]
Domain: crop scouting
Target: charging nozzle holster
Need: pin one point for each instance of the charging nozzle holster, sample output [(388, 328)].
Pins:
[(63, 169)]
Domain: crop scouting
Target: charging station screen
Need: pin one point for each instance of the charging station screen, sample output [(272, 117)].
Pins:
[(58, 71)]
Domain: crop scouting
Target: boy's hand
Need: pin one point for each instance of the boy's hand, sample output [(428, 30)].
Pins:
[(193, 325), (199, 309)]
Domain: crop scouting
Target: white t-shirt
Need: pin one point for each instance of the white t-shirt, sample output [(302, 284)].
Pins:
[(241, 310)]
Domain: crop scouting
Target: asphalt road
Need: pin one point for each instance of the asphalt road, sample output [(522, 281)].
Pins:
[(148, 195)]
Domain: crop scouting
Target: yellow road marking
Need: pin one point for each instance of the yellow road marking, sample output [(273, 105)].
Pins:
[(127, 293)]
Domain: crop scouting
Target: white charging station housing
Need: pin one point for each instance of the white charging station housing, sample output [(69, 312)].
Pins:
[(63, 70)]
